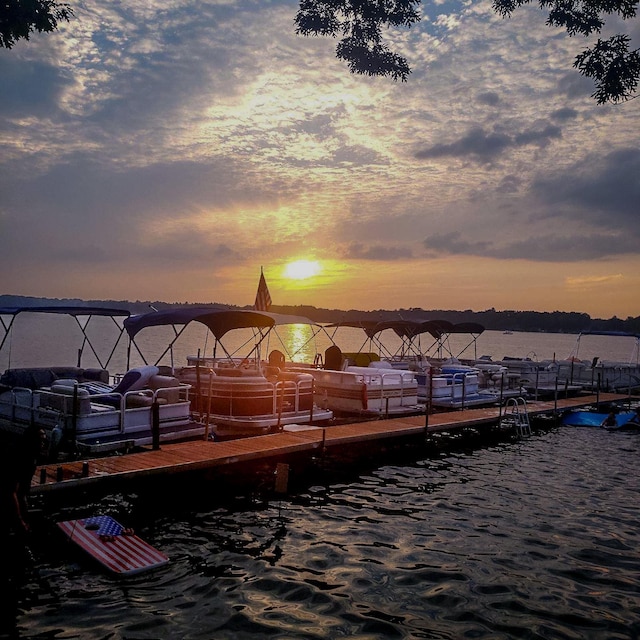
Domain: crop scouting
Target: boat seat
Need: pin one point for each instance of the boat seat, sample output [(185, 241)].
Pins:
[(333, 358), (136, 379), (136, 400), (276, 359), (60, 398), (237, 373), (168, 388), (360, 358)]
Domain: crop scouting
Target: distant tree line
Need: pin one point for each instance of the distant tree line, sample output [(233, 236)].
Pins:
[(548, 322)]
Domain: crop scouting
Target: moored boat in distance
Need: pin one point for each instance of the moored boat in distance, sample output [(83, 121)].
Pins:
[(605, 375), (420, 349)]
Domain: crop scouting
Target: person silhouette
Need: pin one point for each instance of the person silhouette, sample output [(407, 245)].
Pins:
[(16, 472)]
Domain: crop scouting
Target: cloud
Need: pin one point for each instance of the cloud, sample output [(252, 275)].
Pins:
[(453, 243), (193, 139), (30, 88), (564, 114), (558, 247), (377, 253), (490, 98), (588, 281), (601, 190), (483, 146)]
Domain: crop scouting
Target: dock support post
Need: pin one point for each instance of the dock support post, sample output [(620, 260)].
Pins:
[(155, 425), (74, 419), (282, 477)]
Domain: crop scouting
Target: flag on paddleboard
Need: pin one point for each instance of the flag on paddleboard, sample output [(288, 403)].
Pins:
[(112, 545), (263, 299)]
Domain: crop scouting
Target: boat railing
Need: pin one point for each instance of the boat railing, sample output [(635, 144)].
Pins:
[(399, 384), (18, 404), (457, 385), (282, 384), (68, 403)]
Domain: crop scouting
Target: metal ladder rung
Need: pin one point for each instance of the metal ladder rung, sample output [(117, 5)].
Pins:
[(516, 415)]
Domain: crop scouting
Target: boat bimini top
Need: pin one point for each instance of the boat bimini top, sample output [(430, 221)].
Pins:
[(409, 332), (82, 316), (218, 321)]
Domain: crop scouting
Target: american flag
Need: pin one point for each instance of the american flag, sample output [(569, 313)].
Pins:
[(103, 538), (263, 299)]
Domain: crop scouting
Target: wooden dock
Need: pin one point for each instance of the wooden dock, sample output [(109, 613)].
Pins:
[(200, 454)]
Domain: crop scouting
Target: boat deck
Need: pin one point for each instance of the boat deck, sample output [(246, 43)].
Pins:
[(200, 454)]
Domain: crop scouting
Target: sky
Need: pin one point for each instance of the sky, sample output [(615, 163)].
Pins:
[(170, 150)]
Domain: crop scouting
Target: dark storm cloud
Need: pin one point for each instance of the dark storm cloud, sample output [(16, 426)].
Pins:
[(483, 146), (476, 144)]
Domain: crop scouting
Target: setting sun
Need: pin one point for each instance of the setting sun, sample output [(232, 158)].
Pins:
[(301, 269)]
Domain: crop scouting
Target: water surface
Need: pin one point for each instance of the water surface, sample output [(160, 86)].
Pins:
[(536, 538)]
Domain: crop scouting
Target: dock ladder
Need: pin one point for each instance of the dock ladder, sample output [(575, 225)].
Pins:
[(516, 416)]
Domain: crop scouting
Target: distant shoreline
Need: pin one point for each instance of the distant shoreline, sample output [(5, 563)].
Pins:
[(536, 321)]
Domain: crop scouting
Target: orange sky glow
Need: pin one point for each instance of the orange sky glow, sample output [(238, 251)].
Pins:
[(135, 168)]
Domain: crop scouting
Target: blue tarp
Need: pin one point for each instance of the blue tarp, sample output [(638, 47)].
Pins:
[(592, 419)]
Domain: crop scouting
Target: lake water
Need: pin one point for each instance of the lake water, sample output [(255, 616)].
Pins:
[(490, 538), (535, 538), (38, 339)]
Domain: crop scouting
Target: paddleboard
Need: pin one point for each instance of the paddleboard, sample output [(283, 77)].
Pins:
[(116, 548)]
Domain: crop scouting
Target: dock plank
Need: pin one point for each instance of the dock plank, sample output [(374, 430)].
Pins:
[(204, 454)]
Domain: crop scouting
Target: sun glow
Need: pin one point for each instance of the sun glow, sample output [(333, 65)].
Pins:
[(301, 269)]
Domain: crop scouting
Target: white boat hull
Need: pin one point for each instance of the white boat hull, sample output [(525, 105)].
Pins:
[(367, 390), (93, 423)]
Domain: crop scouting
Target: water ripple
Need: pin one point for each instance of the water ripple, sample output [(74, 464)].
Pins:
[(530, 539)]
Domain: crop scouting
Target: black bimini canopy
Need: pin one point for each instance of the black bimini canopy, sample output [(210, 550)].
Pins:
[(69, 311), (81, 314), (468, 327), (218, 321), (402, 328), (619, 334)]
